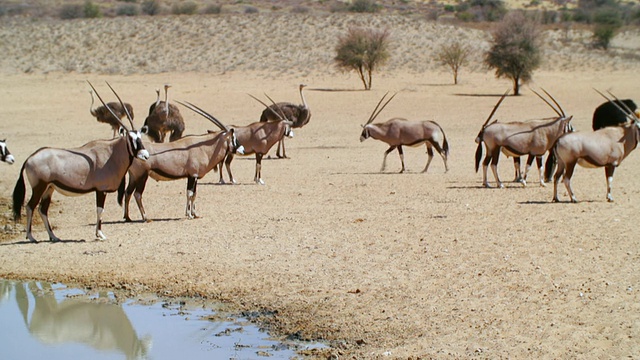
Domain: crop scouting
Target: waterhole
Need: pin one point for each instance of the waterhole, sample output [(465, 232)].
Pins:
[(41, 320)]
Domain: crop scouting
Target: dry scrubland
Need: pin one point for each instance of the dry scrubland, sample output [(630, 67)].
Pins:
[(378, 265)]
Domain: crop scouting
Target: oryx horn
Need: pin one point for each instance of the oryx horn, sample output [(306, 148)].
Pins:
[(495, 108), (375, 114), (124, 107), (204, 114), (106, 106)]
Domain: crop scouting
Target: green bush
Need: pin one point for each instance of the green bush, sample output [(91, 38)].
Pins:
[(128, 10), (364, 6), (187, 8), (602, 36), (91, 10), (150, 7)]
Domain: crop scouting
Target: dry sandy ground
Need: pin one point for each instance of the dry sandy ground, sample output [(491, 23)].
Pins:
[(379, 265)]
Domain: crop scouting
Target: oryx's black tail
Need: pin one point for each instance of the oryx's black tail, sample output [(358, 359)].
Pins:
[(18, 195)]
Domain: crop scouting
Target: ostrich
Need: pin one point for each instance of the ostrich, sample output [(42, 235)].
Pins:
[(103, 115), (164, 118), (299, 115)]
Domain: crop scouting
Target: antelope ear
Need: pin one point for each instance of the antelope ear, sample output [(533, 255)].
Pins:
[(122, 131), (145, 130)]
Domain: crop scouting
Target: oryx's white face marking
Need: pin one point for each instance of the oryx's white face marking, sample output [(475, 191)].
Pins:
[(4, 153), (365, 133), (136, 140)]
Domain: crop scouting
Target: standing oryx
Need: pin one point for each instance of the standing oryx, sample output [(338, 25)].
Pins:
[(606, 147), (398, 132), (258, 138), (190, 157), (299, 115), (5, 154), (98, 166), (533, 138)]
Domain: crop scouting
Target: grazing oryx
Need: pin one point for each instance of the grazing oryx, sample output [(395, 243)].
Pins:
[(164, 118), (190, 157), (606, 147), (398, 132), (103, 115), (532, 138), (299, 115), (98, 166), (609, 113), (5, 154), (258, 138)]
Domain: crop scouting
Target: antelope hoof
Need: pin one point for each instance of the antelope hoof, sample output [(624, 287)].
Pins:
[(609, 198), (32, 239), (555, 199), (486, 185), (259, 182), (100, 235), (500, 186), (574, 200), (127, 219), (543, 184)]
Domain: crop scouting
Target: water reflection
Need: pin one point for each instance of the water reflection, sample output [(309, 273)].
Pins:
[(53, 322), (101, 326)]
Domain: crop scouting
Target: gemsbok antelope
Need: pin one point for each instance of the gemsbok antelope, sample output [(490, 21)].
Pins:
[(606, 147), (399, 132), (5, 154), (533, 138), (164, 118), (98, 166), (190, 157), (299, 115), (104, 116), (258, 138)]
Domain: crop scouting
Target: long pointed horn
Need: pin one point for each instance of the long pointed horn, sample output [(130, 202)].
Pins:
[(284, 116), (124, 107), (382, 108), (376, 108), (106, 106), (631, 112), (548, 103), (555, 102), (495, 108), (267, 106), (204, 114)]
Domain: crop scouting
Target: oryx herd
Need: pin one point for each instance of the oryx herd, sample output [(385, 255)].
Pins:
[(103, 166)]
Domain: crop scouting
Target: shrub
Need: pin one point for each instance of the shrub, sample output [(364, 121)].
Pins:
[(602, 36), (91, 10), (363, 51), (213, 9), (187, 8), (128, 10), (454, 55), (515, 50), (364, 6), (251, 10)]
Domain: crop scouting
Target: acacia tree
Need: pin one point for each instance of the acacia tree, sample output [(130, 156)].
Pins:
[(516, 49), (454, 55), (363, 50)]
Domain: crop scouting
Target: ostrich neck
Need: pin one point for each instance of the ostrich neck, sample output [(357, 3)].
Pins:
[(304, 102)]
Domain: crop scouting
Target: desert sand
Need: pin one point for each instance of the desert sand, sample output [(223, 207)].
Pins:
[(375, 264)]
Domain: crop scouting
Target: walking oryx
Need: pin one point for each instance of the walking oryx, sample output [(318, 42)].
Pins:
[(398, 132), (98, 166), (5, 154), (190, 157), (606, 147), (533, 138)]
